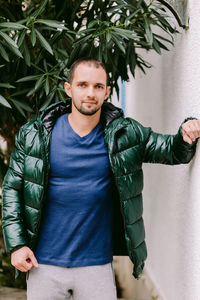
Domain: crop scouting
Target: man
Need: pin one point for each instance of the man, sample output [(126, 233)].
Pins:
[(72, 197)]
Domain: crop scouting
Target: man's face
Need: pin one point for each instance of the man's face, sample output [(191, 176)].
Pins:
[(88, 89)]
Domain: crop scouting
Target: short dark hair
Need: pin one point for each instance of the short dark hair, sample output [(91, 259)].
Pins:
[(89, 61)]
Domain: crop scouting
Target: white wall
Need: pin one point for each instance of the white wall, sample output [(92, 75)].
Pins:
[(162, 99)]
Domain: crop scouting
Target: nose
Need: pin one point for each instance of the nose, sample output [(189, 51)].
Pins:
[(90, 92)]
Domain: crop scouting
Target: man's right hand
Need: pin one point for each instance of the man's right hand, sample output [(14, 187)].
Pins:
[(23, 259)]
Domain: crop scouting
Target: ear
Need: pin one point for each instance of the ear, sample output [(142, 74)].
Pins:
[(108, 89), (67, 87)]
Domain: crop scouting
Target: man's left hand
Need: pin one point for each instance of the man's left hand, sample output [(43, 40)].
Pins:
[(191, 131)]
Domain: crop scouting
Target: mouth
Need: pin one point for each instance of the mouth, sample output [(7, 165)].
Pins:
[(90, 102)]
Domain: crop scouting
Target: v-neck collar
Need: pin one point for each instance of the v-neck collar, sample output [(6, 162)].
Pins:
[(85, 137)]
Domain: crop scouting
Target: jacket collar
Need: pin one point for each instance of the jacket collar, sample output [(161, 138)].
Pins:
[(109, 112)]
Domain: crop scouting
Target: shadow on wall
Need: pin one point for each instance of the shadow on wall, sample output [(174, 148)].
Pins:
[(130, 288)]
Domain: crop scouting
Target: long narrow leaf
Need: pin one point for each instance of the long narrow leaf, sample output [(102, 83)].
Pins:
[(156, 46), (23, 105), (82, 40), (31, 92), (27, 56), (21, 38), (37, 68), (44, 42), (132, 15), (108, 36), (164, 39), (28, 78), (7, 86), (39, 82), (8, 39), (12, 25), (148, 31), (61, 97), (15, 51), (40, 9), (33, 36), (52, 23), (68, 36), (18, 108), (4, 53), (4, 102), (119, 44), (48, 101), (162, 45), (20, 92), (125, 33), (46, 86)]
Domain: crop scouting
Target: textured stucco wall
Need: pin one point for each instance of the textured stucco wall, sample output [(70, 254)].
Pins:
[(162, 99)]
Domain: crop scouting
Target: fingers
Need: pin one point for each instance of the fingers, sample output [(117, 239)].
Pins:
[(23, 259), (186, 138), (22, 265), (33, 260), (191, 130)]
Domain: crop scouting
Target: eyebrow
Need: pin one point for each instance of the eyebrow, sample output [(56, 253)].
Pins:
[(97, 83)]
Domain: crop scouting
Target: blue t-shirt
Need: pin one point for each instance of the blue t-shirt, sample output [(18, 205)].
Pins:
[(77, 225)]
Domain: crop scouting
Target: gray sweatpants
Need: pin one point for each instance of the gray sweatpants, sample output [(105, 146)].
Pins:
[(49, 282)]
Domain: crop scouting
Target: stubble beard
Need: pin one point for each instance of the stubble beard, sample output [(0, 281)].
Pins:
[(87, 111)]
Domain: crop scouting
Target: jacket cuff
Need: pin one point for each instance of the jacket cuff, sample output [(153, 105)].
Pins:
[(17, 248)]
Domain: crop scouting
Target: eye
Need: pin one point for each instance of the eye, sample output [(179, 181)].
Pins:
[(82, 84), (99, 86)]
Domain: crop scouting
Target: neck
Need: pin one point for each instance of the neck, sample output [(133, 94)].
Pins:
[(83, 124)]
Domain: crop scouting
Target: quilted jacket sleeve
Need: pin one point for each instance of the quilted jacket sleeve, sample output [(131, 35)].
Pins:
[(167, 149), (13, 207)]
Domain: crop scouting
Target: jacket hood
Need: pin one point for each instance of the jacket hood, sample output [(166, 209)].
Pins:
[(48, 117)]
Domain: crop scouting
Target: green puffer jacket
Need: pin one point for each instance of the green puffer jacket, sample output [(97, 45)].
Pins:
[(129, 145)]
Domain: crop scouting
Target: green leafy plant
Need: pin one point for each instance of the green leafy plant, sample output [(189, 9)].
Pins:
[(39, 40)]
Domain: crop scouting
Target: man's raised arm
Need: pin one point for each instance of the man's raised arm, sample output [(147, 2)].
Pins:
[(173, 149)]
